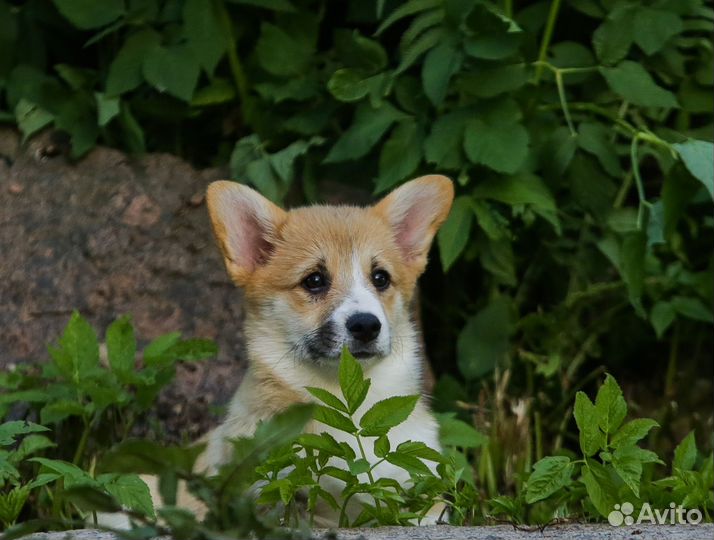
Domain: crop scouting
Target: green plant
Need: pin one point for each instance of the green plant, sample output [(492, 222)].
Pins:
[(87, 404)]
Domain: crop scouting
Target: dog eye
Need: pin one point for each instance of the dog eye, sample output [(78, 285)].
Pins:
[(380, 279), (315, 282)]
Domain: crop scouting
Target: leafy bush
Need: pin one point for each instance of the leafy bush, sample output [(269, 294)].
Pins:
[(276, 477)]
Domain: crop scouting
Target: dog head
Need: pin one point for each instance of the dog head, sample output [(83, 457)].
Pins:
[(319, 278)]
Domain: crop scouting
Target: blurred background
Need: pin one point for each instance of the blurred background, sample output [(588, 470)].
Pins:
[(579, 133)]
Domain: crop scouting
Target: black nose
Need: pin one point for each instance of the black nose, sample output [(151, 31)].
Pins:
[(363, 326)]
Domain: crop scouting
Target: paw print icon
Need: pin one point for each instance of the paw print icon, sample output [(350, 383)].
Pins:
[(622, 514)]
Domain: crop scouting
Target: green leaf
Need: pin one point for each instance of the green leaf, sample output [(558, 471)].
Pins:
[(698, 157), (192, 350), (613, 38), (600, 487), (518, 189), (496, 46), (418, 48), (205, 33), (60, 409), (77, 355), (381, 446), (90, 498), (484, 341), (324, 442), (349, 85), (130, 490), (420, 450), (352, 382), (454, 234), (334, 418), (107, 108), (125, 71), (9, 431), (155, 351), (30, 445), (327, 398), (443, 145), (493, 81), (386, 414), (455, 432), (628, 466), (692, 308), (369, 126), (219, 91), (596, 139), (653, 27), (503, 147), (662, 316), (87, 14), (632, 267), (173, 70), (610, 405), (401, 155), (411, 464), (591, 438), (632, 432), (440, 64), (282, 54), (71, 474), (408, 8), (685, 455), (550, 474), (121, 346), (631, 82), (30, 118)]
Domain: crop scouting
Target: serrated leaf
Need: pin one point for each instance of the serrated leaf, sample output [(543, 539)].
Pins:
[(121, 345), (662, 316), (386, 414), (632, 432), (411, 464), (125, 70), (440, 64), (280, 53), (443, 145), (549, 475), (408, 8), (613, 38), (595, 139), (352, 382), (107, 108), (502, 147), (685, 454), (600, 488), (205, 33), (58, 410), (9, 431), (629, 467), (324, 442), (327, 398), (591, 438), (130, 491), (369, 126), (77, 355), (692, 308), (173, 70), (653, 27), (633, 83), (381, 446), (698, 157), (610, 405), (334, 419), (400, 156), (454, 234)]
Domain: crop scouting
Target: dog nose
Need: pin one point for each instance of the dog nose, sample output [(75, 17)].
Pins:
[(363, 326)]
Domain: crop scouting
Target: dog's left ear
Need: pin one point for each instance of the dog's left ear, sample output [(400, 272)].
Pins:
[(415, 211)]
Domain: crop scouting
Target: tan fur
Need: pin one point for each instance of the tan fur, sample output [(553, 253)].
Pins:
[(268, 252)]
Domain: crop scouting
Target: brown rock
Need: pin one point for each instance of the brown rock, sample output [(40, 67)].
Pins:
[(112, 235)]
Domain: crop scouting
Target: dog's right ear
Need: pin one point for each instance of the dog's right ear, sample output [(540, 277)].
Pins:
[(245, 224)]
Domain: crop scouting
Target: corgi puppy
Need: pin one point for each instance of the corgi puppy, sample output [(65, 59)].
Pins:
[(317, 279)]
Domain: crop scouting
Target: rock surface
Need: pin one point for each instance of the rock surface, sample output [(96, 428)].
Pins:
[(500, 532), (112, 235)]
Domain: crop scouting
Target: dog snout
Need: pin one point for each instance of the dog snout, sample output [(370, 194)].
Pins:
[(363, 327)]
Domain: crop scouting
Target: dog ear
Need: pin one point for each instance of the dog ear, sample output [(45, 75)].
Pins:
[(415, 211), (245, 224)]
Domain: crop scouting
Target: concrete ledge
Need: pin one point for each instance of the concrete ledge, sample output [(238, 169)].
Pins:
[(445, 532)]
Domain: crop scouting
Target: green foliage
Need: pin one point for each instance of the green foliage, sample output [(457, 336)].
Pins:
[(85, 402)]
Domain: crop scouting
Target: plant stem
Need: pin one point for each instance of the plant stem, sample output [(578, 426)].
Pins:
[(508, 8), (369, 471), (672, 363), (547, 36), (79, 452)]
